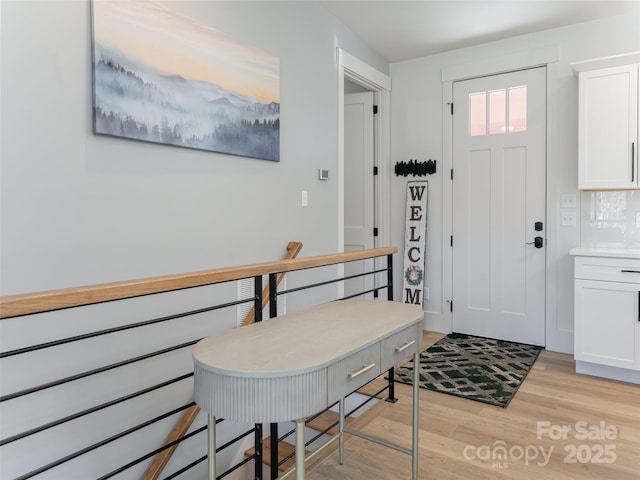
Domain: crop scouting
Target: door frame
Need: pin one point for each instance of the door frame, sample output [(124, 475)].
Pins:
[(357, 71), (556, 338)]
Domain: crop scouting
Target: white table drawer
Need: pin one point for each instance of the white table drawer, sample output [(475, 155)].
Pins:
[(353, 372), (625, 270), (401, 345)]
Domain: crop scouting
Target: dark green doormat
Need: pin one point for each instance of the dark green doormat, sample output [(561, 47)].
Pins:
[(477, 368)]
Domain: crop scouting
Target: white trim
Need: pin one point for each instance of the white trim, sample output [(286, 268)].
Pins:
[(355, 70), (444, 322), (536, 57), (340, 173), (555, 339), (606, 62), (363, 74), (605, 371), (383, 161)]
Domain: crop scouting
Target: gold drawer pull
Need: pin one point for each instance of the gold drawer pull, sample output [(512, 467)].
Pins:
[(405, 346), (357, 373)]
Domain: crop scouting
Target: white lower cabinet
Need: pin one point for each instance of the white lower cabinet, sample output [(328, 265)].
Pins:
[(606, 328), (607, 317)]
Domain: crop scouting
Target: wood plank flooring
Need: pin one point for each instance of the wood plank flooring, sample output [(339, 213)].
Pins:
[(460, 439)]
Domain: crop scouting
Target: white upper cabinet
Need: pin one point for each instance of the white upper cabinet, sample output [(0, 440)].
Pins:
[(608, 128)]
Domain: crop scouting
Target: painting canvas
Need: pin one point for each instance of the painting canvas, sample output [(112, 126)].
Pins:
[(162, 77)]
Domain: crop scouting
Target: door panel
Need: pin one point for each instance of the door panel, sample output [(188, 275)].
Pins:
[(513, 254), (478, 253), (358, 186), (498, 196)]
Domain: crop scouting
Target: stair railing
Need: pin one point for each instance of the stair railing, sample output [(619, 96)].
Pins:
[(23, 311)]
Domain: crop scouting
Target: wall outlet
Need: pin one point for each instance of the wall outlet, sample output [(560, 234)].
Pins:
[(568, 218)]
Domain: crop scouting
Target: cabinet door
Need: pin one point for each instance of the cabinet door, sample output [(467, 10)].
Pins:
[(608, 128), (607, 323)]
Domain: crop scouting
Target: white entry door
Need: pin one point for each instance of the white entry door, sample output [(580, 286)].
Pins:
[(499, 144), (358, 187)]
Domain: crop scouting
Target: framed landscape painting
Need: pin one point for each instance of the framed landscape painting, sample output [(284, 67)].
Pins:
[(161, 77)]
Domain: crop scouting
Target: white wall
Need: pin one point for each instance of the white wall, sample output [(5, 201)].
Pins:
[(78, 208), (417, 132)]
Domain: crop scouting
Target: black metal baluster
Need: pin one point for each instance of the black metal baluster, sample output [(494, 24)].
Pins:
[(258, 450), (274, 451), (257, 302), (390, 374), (273, 296), (273, 312), (390, 278)]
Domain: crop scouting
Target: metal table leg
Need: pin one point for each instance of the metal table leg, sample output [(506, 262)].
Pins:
[(341, 430), (212, 447), (300, 449)]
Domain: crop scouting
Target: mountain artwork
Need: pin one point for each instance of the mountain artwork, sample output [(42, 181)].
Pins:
[(161, 77)]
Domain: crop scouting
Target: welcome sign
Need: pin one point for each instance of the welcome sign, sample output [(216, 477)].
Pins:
[(415, 241)]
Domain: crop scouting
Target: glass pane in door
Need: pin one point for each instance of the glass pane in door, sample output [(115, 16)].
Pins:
[(518, 109), (478, 114), (497, 112)]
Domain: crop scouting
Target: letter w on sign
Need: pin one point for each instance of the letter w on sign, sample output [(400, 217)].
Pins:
[(413, 269)]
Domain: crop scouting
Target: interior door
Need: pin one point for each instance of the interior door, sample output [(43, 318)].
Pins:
[(358, 186), (499, 144)]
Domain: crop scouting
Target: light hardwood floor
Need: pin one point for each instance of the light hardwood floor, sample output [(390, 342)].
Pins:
[(458, 436)]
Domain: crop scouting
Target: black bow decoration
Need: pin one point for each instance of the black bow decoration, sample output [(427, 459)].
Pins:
[(413, 167)]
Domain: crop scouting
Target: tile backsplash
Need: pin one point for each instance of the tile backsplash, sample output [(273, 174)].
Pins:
[(610, 219)]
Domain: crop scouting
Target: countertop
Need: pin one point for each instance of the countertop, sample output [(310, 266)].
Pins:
[(604, 252)]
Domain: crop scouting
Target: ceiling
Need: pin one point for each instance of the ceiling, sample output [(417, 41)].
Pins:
[(404, 29)]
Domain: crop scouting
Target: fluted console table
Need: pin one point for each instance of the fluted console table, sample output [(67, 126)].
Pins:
[(296, 365)]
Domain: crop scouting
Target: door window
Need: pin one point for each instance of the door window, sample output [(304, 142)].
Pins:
[(505, 108)]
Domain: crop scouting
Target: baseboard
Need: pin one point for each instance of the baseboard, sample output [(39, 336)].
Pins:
[(605, 371), (437, 322)]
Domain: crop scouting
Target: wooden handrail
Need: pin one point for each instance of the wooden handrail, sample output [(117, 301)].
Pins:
[(25, 304), (187, 418)]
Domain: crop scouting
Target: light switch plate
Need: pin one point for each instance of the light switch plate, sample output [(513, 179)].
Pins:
[(304, 201), (568, 200)]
